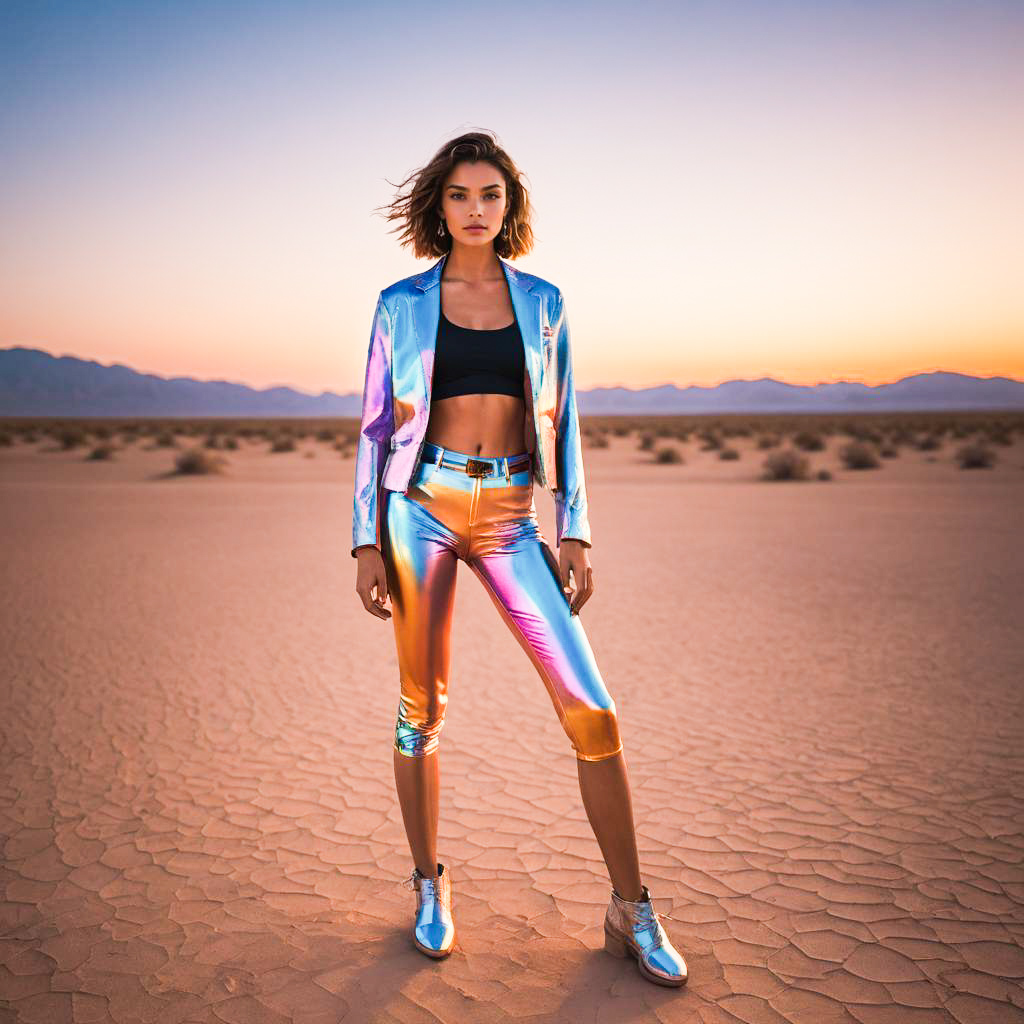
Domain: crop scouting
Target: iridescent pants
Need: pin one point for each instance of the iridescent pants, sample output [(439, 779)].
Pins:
[(491, 524)]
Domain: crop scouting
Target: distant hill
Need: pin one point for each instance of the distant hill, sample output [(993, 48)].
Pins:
[(36, 383)]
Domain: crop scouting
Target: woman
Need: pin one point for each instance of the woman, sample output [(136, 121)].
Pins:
[(468, 400)]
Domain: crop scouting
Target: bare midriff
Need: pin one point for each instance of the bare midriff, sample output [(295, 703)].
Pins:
[(486, 424)]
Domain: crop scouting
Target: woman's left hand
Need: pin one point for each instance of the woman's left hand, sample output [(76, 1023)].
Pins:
[(573, 557)]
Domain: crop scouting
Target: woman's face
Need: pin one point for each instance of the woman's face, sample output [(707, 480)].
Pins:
[(473, 202)]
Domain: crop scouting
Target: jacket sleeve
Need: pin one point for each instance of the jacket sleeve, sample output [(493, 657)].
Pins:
[(375, 431), (571, 495)]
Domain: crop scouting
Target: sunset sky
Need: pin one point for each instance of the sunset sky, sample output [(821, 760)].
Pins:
[(809, 191)]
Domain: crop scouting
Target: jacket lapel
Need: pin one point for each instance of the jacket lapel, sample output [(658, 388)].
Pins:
[(427, 315)]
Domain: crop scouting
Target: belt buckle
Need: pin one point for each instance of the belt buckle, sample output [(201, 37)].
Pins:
[(478, 467)]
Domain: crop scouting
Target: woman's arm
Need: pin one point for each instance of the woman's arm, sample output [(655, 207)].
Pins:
[(375, 431), (571, 496)]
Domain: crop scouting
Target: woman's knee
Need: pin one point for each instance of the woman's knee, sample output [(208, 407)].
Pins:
[(594, 732)]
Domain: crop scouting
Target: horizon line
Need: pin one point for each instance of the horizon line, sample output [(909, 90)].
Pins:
[(837, 379)]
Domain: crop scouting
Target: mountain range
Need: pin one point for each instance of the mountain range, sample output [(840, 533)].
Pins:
[(37, 383)]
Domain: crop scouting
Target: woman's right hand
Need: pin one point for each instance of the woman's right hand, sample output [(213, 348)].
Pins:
[(370, 575)]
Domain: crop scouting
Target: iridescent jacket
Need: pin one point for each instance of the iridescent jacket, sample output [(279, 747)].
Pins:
[(396, 397)]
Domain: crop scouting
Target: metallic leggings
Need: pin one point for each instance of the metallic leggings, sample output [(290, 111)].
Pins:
[(491, 524)]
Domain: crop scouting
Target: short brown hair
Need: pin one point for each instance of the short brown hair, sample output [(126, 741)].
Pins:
[(416, 210)]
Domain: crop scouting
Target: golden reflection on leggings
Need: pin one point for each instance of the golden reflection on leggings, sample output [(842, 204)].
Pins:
[(490, 522)]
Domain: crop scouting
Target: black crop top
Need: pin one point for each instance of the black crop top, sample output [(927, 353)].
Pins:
[(469, 361)]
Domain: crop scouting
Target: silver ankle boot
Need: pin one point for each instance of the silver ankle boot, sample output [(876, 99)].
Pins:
[(633, 927), (434, 931)]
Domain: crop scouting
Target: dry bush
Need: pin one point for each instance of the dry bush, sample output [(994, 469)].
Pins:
[(283, 443), (809, 441), (596, 439), (786, 464), (888, 451), (646, 442), (71, 437), (929, 443), (728, 454), (766, 441), (6, 440), (165, 439), (668, 454), (197, 461), (976, 456), (858, 455), (102, 451), (823, 474)]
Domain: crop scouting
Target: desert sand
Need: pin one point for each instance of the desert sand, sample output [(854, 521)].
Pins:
[(819, 688)]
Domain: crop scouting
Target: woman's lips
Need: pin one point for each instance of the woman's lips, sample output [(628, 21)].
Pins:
[(476, 227)]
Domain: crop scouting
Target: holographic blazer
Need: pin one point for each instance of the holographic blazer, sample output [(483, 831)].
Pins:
[(396, 397)]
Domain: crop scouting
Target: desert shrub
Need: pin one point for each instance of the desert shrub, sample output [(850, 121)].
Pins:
[(646, 442), (621, 430), (597, 439), (858, 455), (929, 443), (326, 435), (728, 454), (71, 437), (976, 456), (766, 441), (5, 439), (711, 441), (283, 443), (668, 454), (862, 432), (102, 451), (824, 474), (809, 441), (786, 464), (165, 439), (888, 451), (231, 442), (213, 441), (197, 461)]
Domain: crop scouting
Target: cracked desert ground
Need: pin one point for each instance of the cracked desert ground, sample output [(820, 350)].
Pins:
[(819, 687)]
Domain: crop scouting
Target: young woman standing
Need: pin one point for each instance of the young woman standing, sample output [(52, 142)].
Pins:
[(469, 400)]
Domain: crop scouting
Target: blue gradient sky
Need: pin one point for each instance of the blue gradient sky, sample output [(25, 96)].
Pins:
[(810, 191)]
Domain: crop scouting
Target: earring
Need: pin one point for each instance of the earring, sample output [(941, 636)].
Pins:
[(504, 230), (440, 228)]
